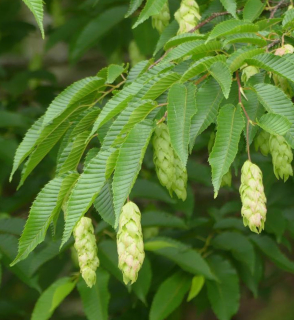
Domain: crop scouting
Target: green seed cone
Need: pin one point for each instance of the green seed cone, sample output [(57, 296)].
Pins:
[(282, 157), (187, 16), (161, 20), (163, 156), (252, 197), (261, 142), (85, 244), (168, 165), (130, 246)]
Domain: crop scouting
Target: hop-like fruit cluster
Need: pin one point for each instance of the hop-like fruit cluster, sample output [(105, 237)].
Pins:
[(261, 142), (282, 157), (130, 244), (168, 165), (252, 197), (187, 16), (85, 244), (161, 20)]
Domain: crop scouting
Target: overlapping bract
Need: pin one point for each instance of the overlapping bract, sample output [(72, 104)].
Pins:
[(167, 164), (187, 16), (85, 244), (161, 20), (130, 244), (282, 157), (261, 142), (252, 197)]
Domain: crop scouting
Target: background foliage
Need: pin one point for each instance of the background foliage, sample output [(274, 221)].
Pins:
[(254, 272)]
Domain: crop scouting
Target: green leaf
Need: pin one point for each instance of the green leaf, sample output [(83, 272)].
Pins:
[(71, 155), (238, 244), (182, 38), (230, 124), (96, 299), (134, 5), (224, 294), (200, 66), (162, 219), (208, 99), (45, 207), (113, 72), (288, 19), (190, 48), (71, 96), (222, 74), (129, 163), (274, 123), (230, 27), (273, 63), (108, 256), (151, 8), (254, 110), (169, 296), (168, 32), (42, 149), (85, 191), (36, 7), (143, 283), (188, 259), (275, 101), (94, 30), (104, 204), (196, 286), (51, 298), (230, 6), (28, 142), (181, 107), (253, 9), (272, 251), (237, 59), (245, 38), (137, 70)]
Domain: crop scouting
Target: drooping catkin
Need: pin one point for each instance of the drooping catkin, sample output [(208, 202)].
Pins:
[(252, 197), (130, 244), (261, 142), (161, 20), (85, 245)]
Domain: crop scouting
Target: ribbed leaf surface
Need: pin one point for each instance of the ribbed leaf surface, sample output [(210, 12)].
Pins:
[(42, 149), (137, 70), (208, 99), (25, 147), (85, 191), (222, 74), (230, 27), (237, 59), (104, 204), (113, 72), (192, 47), (72, 95), (181, 107), (182, 38), (230, 6), (230, 124), (253, 9), (85, 122), (129, 163), (151, 8), (168, 32), (245, 38), (36, 7), (274, 123), (276, 64), (200, 66), (275, 100), (45, 207), (134, 5), (288, 20)]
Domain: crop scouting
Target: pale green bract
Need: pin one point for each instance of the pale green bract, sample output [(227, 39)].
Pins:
[(161, 20), (261, 142), (188, 16)]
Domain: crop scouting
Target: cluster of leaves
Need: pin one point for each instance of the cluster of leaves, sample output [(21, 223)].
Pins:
[(104, 124)]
